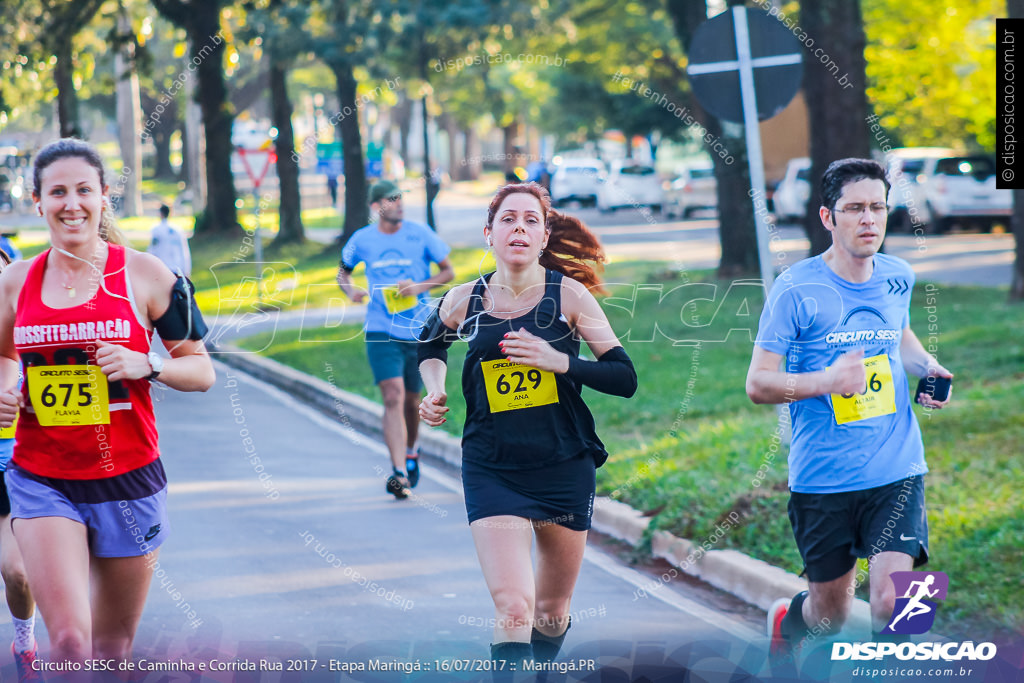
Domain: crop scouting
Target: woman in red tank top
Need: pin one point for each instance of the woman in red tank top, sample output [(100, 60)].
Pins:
[(86, 484)]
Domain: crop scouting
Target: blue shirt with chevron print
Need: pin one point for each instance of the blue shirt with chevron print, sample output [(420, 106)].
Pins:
[(811, 318)]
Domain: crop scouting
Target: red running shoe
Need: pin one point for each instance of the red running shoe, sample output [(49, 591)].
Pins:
[(23, 661), (778, 646)]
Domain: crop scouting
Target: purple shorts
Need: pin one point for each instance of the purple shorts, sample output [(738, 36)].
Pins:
[(123, 515)]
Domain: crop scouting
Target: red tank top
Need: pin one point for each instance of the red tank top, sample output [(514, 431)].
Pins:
[(80, 438)]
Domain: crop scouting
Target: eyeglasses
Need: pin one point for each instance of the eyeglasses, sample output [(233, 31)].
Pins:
[(857, 209)]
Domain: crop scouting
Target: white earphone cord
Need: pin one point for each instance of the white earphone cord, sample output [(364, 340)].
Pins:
[(476, 316), (103, 286)]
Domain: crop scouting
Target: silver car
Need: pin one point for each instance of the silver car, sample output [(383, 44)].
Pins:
[(695, 188), (947, 190), (577, 180), (794, 191)]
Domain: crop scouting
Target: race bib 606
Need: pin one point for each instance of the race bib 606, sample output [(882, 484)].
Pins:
[(878, 399), (511, 386), (396, 303), (69, 395)]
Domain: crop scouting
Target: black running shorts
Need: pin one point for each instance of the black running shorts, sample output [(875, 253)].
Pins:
[(833, 529), (560, 493)]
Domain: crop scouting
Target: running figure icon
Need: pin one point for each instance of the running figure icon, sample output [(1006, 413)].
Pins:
[(915, 607)]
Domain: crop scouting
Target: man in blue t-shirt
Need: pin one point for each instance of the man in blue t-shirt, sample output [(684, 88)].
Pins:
[(835, 345), (398, 254)]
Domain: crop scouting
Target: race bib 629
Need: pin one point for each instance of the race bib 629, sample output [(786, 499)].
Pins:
[(511, 386)]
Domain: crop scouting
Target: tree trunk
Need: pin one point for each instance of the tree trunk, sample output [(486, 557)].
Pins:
[(129, 122), (836, 113), (472, 154), (402, 115), (509, 135), (737, 232), (455, 167), (1017, 220), (220, 216), (357, 213), (290, 229), (67, 97), (433, 184), (162, 144), (1015, 10)]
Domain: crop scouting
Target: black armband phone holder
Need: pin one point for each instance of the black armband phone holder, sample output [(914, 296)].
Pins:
[(183, 319)]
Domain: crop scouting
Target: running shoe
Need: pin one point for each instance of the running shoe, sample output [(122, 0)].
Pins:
[(398, 486), (778, 646), (412, 466), (23, 662)]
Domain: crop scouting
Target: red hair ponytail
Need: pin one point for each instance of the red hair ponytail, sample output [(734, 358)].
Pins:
[(572, 248)]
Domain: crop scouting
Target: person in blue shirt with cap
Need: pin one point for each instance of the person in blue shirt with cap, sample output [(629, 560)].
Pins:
[(398, 254)]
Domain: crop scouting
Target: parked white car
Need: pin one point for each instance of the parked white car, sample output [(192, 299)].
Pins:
[(577, 180), (935, 189), (630, 183), (793, 191), (907, 203), (695, 188)]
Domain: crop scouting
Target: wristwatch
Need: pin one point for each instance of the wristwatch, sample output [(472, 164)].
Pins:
[(156, 362)]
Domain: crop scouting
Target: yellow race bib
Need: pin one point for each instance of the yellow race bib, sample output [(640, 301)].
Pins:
[(879, 398), (69, 395), (511, 386), (398, 304), (8, 433)]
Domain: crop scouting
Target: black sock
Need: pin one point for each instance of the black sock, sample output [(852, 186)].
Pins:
[(545, 648), (515, 655), (794, 628)]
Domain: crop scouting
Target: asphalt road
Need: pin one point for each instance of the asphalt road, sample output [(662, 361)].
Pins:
[(301, 555), (954, 259)]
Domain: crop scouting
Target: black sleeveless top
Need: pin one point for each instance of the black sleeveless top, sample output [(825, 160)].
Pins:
[(505, 437)]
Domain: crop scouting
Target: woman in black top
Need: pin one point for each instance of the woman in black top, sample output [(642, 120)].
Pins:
[(529, 449)]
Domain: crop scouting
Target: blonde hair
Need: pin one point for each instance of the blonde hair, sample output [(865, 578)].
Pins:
[(109, 232)]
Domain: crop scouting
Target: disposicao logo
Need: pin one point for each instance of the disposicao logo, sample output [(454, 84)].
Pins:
[(917, 596)]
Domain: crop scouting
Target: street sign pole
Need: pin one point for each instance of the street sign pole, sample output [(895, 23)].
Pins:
[(258, 246), (778, 65), (257, 176), (753, 136)]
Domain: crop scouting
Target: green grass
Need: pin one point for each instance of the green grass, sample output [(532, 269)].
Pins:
[(687, 448), (294, 276)]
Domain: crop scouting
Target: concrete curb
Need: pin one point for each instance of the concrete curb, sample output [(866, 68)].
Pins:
[(752, 580)]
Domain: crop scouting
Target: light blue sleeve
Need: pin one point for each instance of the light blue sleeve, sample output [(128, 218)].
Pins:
[(778, 327), (437, 250), (350, 256)]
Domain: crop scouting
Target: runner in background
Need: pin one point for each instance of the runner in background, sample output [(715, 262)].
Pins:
[(398, 254), (169, 245)]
